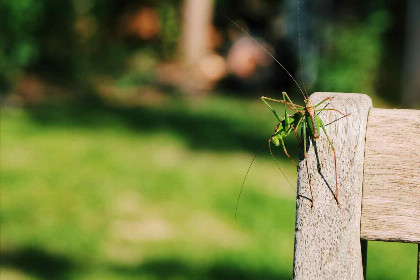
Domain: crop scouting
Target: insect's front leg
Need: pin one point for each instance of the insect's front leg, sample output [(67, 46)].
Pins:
[(285, 151), (271, 108), (296, 134), (285, 96), (291, 107), (295, 126)]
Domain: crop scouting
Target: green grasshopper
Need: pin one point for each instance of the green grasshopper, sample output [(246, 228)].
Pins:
[(305, 118)]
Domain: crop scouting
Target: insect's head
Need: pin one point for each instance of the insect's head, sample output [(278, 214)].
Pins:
[(275, 139), (308, 102)]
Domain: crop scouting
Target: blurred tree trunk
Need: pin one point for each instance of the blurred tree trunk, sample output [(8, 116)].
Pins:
[(197, 18), (411, 86), (194, 45)]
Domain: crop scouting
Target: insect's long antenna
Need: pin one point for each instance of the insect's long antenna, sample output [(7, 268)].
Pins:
[(246, 175), (300, 50), (278, 167), (267, 52)]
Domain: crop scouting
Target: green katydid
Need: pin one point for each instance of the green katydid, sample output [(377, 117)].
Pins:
[(304, 117), (307, 119)]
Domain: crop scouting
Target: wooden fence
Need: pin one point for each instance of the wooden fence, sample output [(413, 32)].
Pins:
[(378, 169)]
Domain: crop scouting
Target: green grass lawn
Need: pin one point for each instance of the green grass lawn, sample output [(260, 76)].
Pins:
[(150, 193)]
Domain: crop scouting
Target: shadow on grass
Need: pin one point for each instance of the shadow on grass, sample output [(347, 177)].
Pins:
[(170, 268), (199, 130), (38, 263), (43, 265)]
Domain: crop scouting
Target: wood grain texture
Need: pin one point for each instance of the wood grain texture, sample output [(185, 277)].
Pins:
[(327, 236), (391, 187)]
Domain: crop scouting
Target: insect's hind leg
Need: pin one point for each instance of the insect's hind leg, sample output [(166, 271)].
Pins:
[(335, 159), (326, 99), (329, 109), (306, 161)]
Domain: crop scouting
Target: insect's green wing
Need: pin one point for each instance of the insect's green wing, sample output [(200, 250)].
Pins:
[(309, 124)]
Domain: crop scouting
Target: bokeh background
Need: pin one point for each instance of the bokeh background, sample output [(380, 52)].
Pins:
[(127, 128)]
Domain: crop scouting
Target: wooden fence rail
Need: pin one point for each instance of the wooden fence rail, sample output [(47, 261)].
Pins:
[(378, 169)]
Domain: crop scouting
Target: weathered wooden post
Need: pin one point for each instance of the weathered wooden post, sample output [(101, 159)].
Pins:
[(327, 236), (378, 166)]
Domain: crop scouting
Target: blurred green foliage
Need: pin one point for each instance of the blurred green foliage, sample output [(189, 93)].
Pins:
[(353, 56), (70, 40), (19, 22), (171, 25)]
